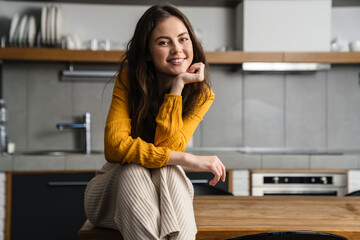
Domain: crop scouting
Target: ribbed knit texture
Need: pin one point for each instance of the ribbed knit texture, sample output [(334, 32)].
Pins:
[(142, 203)]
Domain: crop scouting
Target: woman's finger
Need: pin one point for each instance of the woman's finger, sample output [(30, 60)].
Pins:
[(223, 172), (195, 67), (217, 171)]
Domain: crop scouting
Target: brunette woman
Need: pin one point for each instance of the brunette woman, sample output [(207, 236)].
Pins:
[(160, 95)]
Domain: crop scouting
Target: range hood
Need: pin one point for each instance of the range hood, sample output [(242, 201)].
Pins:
[(284, 67)]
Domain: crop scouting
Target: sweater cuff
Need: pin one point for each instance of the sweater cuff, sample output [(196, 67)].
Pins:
[(168, 95), (166, 158)]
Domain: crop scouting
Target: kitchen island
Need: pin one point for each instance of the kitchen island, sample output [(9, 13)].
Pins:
[(220, 217)]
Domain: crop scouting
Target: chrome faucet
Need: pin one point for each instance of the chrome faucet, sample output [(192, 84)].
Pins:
[(86, 125)]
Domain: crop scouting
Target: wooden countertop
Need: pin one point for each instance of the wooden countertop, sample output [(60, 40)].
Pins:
[(220, 217)]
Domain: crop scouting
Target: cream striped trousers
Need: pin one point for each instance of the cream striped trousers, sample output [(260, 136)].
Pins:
[(142, 203)]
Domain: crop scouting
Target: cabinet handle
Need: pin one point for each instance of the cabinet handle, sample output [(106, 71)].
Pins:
[(62, 184), (199, 180)]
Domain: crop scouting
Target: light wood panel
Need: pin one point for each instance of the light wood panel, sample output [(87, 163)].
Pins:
[(238, 57), (219, 217), (323, 57), (229, 57), (56, 54)]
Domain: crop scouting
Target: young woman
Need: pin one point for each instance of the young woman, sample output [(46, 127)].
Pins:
[(160, 96)]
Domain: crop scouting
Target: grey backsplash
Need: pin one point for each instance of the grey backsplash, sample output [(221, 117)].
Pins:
[(301, 110)]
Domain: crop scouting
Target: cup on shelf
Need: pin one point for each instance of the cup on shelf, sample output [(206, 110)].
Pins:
[(340, 44), (3, 41), (355, 46)]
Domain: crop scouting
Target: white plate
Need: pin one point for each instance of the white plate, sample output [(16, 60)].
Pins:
[(58, 25), (52, 21), (14, 23), (32, 31), (43, 24), (22, 29), (48, 26), (25, 38)]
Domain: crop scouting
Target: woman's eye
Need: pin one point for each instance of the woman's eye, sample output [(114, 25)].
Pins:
[(163, 43), (183, 39)]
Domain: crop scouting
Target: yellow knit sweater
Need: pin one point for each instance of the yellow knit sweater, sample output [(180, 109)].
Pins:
[(172, 131)]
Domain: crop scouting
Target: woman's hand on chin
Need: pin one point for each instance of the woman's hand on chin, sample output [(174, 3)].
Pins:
[(195, 73)]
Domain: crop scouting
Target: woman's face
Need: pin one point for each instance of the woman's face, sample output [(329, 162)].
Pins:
[(170, 47)]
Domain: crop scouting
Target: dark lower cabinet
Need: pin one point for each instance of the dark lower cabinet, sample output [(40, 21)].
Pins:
[(200, 181), (47, 206), (51, 205)]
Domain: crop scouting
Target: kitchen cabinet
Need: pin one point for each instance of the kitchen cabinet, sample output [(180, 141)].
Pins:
[(46, 205), (229, 57), (203, 178)]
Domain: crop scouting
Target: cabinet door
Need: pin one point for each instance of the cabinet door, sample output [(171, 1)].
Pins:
[(201, 180), (48, 206)]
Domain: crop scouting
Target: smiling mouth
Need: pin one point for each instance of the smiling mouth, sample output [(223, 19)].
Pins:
[(178, 60)]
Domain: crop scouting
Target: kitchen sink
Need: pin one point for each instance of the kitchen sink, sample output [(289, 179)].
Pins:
[(58, 152)]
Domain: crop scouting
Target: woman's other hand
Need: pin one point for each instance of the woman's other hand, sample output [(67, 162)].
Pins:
[(200, 163), (195, 73)]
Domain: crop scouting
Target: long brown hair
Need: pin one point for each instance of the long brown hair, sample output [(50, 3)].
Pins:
[(143, 96)]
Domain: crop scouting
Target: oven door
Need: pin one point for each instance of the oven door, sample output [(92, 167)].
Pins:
[(299, 191)]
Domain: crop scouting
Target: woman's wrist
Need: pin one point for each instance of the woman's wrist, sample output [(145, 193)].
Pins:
[(177, 86), (179, 158)]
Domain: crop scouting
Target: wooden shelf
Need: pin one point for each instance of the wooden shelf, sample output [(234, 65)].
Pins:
[(230, 57), (323, 57)]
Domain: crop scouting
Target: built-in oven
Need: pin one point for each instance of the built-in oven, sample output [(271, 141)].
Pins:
[(325, 183)]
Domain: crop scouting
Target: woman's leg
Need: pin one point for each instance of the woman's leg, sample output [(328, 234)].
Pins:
[(176, 203), (125, 198)]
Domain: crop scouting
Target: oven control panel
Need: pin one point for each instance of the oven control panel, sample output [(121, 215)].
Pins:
[(298, 180), (298, 183)]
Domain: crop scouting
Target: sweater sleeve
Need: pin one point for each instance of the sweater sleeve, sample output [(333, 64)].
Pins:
[(172, 130), (119, 145)]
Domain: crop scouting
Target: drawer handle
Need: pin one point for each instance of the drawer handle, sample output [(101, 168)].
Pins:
[(199, 181), (63, 184)]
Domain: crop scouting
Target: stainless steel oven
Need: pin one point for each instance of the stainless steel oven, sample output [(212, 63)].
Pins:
[(298, 183)]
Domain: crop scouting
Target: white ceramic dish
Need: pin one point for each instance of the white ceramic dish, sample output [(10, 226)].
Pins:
[(52, 25), (22, 29), (32, 31), (48, 26), (58, 25), (25, 38), (43, 24), (14, 24)]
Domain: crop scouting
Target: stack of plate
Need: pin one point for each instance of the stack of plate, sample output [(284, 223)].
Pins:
[(22, 31), (51, 26)]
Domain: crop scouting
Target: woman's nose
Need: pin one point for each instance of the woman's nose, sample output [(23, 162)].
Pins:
[(176, 48)]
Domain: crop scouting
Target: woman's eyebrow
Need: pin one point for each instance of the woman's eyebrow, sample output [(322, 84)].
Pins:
[(181, 34), (166, 37)]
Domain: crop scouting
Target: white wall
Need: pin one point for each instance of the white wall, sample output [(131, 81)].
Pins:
[(346, 23), (117, 22)]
